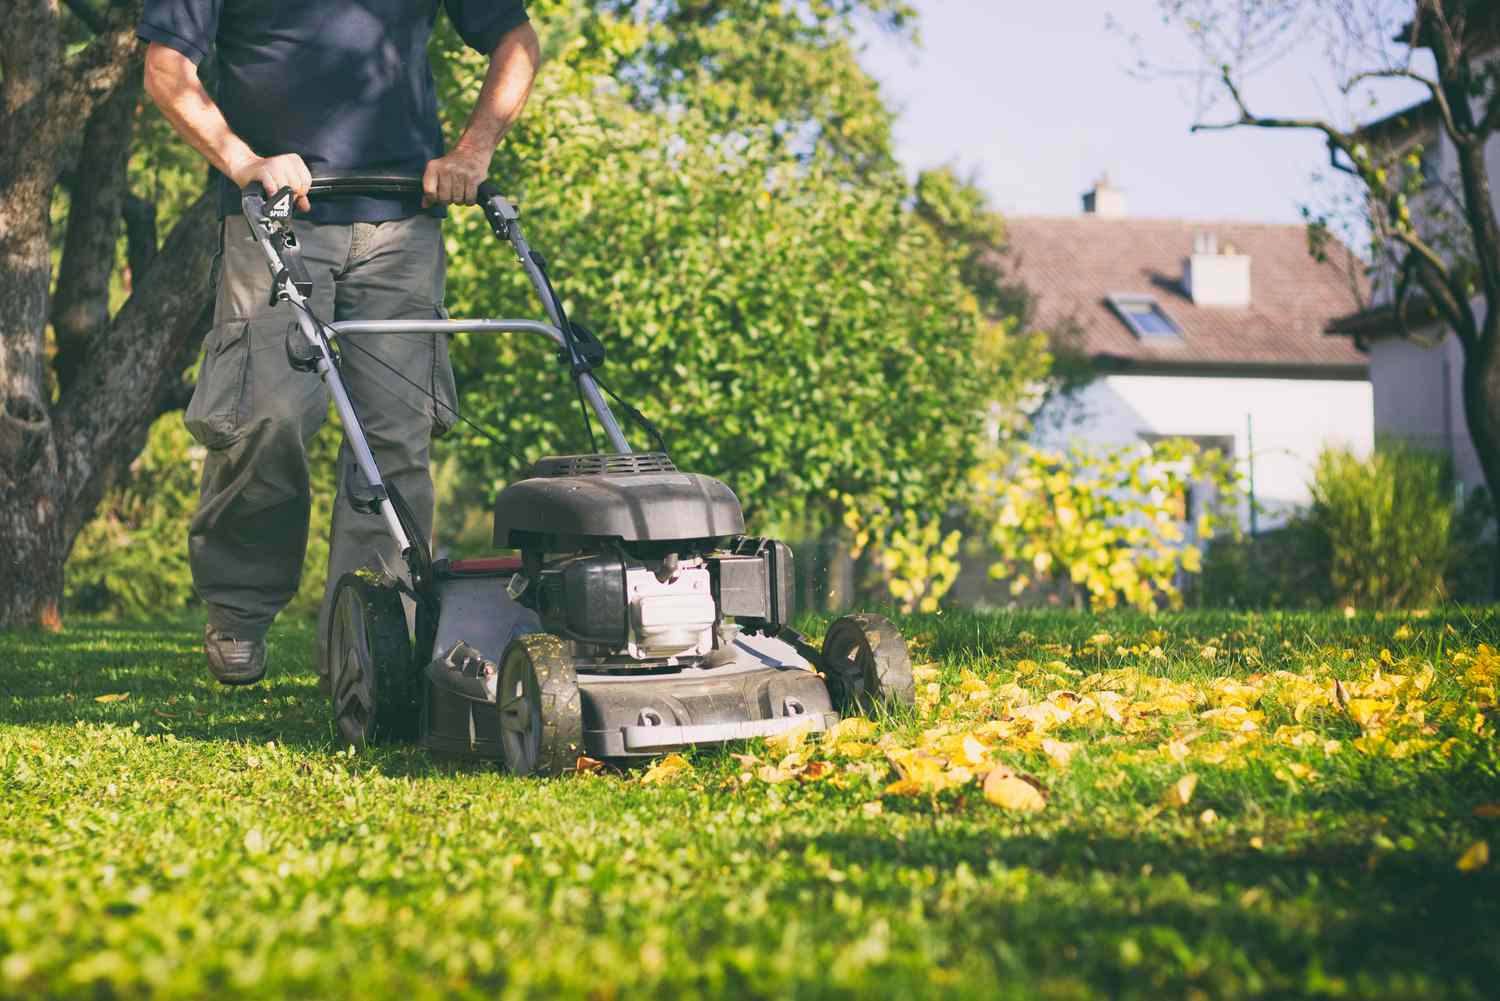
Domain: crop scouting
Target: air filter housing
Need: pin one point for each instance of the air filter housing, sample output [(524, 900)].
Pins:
[(634, 498)]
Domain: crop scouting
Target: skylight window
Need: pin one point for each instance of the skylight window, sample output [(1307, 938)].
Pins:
[(1145, 317)]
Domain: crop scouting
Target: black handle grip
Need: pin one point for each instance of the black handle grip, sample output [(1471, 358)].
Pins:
[(365, 182), (370, 182)]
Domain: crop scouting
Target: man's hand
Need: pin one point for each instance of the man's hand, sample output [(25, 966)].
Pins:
[(275, 173), (454, 179)]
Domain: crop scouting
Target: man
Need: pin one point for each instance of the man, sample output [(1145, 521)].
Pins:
[(305, 85)]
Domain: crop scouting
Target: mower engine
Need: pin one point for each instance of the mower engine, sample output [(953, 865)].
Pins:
[(640, 619), (667, 608)]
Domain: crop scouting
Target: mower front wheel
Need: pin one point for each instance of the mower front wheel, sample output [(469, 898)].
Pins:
[(369, 662), (867, 666), (541, 711)]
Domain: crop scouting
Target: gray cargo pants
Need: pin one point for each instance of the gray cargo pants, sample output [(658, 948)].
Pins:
[(255, 414)]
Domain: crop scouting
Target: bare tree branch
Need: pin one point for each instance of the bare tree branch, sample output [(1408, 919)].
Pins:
[(1335, 136), (97, 186), (140, 234), (1439, 98), (130, 369), (92, 75)]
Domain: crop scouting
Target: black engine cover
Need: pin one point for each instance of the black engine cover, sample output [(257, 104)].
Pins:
[(635, 498)]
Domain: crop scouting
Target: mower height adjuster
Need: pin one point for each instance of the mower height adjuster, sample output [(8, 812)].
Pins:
[(586, 349), (301, 355)]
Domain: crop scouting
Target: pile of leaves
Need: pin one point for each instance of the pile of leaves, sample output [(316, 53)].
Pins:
[(1005, 737)]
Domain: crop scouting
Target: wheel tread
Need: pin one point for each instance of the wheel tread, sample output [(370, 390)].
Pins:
[(383, 618)]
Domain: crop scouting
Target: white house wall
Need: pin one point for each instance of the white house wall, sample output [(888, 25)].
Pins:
[(1419, 398), (1292, 420)]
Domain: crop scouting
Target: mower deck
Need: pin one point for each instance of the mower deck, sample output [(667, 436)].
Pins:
[(764, 690), (755, 686)]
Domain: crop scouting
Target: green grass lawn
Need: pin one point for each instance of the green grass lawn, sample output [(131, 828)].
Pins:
[(165, 837)]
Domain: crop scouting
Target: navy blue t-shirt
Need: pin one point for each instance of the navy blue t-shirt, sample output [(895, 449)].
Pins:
[(341, 83)]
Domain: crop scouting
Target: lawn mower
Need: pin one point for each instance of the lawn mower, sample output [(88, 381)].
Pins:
[(626, 613)]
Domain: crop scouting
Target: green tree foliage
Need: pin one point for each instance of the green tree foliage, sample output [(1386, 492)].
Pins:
[(786, 311)]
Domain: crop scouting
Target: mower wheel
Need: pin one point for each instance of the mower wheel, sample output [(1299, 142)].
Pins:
[(369, 662), (541, 712), (867, 666)]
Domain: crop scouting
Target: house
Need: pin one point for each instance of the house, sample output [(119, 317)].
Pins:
[(1416, 362), (1208, 330)]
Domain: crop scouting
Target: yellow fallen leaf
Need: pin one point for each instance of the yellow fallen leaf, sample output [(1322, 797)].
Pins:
[(874, 808), (968, 681), (112, 697), (1487, 811), (783, 743), (851, 728), (1009, 791), (1477, 857), (975, 753), (1208, 817), (815, 770), (925, 770), (957, 776), (1060, 751), (666, 769), (1177, 750), (903, 787), (1368, 712), (1180, 793)]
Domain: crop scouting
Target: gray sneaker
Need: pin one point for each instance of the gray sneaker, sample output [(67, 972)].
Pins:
[(234, 662)]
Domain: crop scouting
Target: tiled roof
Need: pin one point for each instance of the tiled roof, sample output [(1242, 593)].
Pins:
[(1071, 264)]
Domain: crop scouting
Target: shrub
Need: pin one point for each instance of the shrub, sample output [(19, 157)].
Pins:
[(131, 561), (1383, 524), (1283, 567), (1113, 525)]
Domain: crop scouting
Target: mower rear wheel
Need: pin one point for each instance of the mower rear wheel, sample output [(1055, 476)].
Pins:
[(369, 662), (867, 666), (541, 712)]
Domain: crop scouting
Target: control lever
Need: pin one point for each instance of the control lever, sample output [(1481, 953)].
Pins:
[(275, 217)]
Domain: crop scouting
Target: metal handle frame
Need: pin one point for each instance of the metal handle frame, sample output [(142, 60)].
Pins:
[(270, 222)]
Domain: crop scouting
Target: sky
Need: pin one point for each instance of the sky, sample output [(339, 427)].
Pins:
[(1035, 98)]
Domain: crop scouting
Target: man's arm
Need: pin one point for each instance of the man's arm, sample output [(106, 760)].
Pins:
[(172, 82), (455, 177)]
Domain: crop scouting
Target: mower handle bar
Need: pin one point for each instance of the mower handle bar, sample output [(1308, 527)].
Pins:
[(330, 181), (269, 218)]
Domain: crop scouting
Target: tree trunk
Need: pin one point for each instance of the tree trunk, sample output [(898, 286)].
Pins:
[(1481, 384), (61, 449), (30, 521)]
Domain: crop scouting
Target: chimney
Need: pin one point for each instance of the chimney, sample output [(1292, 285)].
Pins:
[(1104, 200), (1212, 277)]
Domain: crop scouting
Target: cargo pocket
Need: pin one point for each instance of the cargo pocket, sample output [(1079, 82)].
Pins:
[(444, 392), (216, 414)]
